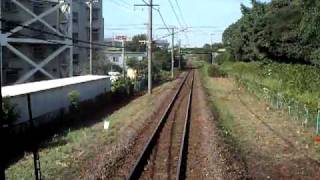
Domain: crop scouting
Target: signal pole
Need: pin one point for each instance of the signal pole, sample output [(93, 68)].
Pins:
[(172, 53)]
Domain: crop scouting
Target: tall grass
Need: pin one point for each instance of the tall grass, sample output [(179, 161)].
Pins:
[(290, 86)]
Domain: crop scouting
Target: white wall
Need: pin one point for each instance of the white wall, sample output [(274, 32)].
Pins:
[(47, 101)]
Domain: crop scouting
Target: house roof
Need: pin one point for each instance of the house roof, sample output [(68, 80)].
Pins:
[(26, 88)]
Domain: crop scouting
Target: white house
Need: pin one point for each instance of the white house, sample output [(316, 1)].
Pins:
[(116, 56)]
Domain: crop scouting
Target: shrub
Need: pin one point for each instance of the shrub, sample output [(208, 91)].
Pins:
[(9, 112), (223, 58), (215, 71), (122, 87), (74, 99)]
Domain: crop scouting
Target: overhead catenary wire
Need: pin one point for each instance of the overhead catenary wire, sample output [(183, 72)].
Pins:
[(174, 33), (180, 11), (53, 42), (164, 23), (175, 13), (117, 2), (160, 14)]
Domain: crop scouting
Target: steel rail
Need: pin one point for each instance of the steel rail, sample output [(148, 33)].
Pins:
[(182, 162), (138, 168)]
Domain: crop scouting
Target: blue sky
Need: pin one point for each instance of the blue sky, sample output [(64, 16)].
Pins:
[(206, 19)]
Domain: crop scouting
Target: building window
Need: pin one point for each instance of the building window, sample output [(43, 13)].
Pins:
[(75, 17), (39, 52), (9, 6), (38, 7), (95, 14), (75, 37), (114, 59), (76, 59), (95, 36)]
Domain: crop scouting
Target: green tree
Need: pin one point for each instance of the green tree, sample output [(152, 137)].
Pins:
[(137, 45), (282, 30)]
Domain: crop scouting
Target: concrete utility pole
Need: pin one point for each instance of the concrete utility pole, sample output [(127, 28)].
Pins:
[(70, 33), (172, 53), (150, 48), (150, 42), (211, 47), (180, 58), (2, 169), (1, 36), (90, 36), (123, 59)]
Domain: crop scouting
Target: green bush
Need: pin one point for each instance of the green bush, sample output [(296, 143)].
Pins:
[(215, 71), (9, 112), (223, 58), (74, 99), (122, 87)]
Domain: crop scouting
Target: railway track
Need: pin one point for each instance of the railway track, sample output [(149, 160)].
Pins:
[(165, 154)]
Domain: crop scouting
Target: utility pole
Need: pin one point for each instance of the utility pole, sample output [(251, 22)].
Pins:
[(1, 44), (150, 48), (211, 48), (90, 35), (150, 42), (70, 40), (180, 57), (2, 168), (123, 59), (172, 53)]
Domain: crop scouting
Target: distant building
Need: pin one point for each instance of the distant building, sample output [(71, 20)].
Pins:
[(113, 54), (35, 41), (115, 57), (162, 44)]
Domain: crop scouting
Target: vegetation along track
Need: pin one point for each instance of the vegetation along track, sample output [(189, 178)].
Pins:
[(164, 155)]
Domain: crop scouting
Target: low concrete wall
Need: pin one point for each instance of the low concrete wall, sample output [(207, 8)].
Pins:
[(48, 102)]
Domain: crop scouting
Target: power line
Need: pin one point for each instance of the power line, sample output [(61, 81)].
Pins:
[(124, 2), (168, 35), (180, 11), (164, 23), (53, 34), (177, 17), (50, 41), (160, 14), (175, 13), (127, 6)]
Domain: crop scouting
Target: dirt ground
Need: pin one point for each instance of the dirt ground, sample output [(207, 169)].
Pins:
[(208, 156), (273, 145)]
